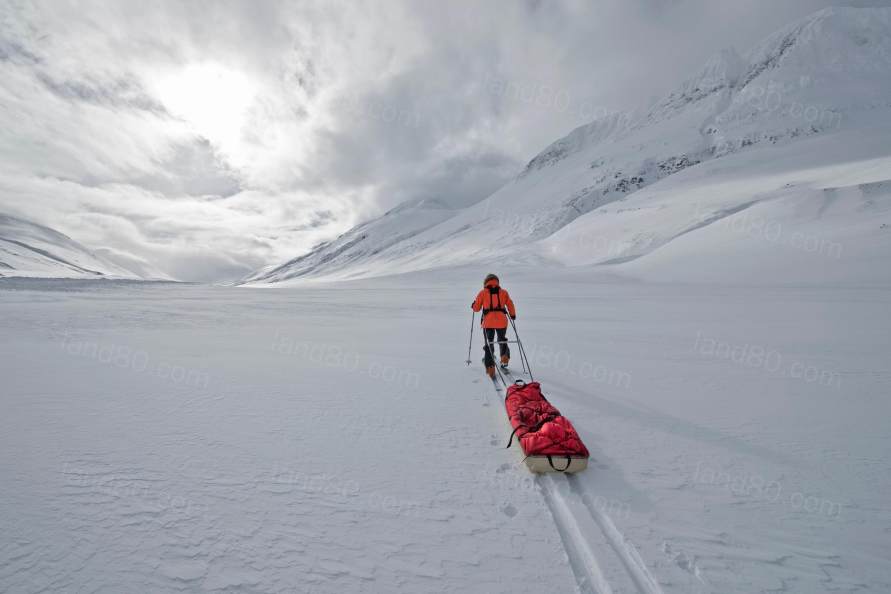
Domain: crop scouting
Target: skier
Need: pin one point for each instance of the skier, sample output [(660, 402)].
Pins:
[(493, 300)]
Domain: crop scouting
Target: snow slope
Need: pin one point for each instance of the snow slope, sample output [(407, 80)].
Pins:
[(359, 244), (31, 250), (814, 95), (817, 212), (328, 439)]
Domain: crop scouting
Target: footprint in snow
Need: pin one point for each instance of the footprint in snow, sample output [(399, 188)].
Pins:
[(509, 510)]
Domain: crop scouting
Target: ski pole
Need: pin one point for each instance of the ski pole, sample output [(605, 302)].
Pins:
[(470, 346), (519, 347), (524, 359)]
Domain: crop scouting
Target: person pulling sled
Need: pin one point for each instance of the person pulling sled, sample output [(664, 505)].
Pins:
[(496, 305)]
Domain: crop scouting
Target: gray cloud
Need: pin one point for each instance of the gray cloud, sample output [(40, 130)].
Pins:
[(121, 93), (210, 138)]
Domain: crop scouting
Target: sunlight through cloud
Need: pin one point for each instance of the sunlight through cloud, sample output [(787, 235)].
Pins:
[(212, 98)]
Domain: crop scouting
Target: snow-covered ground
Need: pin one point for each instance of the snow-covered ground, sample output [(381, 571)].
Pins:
[(329, 438)]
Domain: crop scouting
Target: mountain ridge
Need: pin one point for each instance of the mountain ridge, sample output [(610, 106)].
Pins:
[(807, 79), (28, 249)]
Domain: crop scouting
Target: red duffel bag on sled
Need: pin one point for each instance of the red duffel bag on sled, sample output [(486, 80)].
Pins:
[(548, 439)]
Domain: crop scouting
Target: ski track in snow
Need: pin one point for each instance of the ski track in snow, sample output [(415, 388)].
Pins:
[(588, 573), (593, 542), (623, 547), (585, 529)]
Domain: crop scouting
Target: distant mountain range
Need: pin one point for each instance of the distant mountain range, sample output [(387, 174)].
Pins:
[(794, 134), (31, 250)]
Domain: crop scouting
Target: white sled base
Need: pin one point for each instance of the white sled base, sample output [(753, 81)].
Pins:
[(541, 465)]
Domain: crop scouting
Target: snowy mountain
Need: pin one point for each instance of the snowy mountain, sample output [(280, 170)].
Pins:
[(362, 242), (31, 250), (793, 132)]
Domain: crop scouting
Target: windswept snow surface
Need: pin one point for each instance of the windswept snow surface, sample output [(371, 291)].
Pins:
[(31, 250), (328, 438)]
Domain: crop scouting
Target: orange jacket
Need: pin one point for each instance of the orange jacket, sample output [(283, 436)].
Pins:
[(492, 300)]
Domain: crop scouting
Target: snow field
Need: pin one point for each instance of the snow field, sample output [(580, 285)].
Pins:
[(293, 466)]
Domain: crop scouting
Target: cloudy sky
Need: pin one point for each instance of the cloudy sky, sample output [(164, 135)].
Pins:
[(207, 139)]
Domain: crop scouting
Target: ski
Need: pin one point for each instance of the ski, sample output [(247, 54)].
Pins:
[(501, 380)]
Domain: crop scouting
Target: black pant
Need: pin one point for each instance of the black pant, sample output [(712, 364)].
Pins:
[(489, 361)]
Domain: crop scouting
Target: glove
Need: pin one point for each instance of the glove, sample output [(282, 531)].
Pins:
[(513, 317)]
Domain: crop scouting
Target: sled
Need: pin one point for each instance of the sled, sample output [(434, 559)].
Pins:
[(567, 464), (549, 441)]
